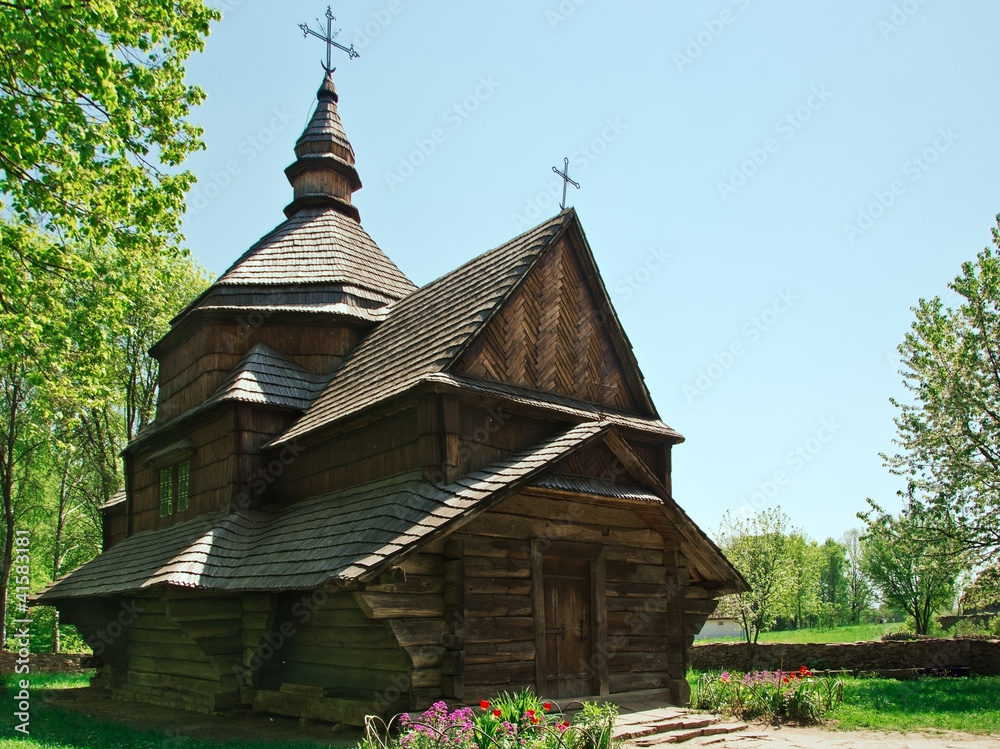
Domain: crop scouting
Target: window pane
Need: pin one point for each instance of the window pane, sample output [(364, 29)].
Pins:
[(166, 492), (183, 485)]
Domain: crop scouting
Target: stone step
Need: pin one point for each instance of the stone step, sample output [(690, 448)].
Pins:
[(686, 734)]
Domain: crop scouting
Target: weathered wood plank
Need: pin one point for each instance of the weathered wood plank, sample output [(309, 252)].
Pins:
[(394, 606)]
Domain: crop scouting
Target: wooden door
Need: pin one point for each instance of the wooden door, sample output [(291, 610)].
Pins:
[(568, 638)]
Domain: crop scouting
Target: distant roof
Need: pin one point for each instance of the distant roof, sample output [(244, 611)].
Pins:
[(116, 499), (339, 536)]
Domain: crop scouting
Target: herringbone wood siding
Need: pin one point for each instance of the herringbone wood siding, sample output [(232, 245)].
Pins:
[(550, 336)]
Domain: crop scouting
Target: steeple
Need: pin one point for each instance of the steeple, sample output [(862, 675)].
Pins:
[(323, 174)]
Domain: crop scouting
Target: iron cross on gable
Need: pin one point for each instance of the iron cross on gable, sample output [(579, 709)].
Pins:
[(329, 38), (566, 181)]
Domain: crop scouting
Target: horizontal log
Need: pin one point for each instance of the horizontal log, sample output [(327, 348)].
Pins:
[(165, 636), (154, 621), (487, 605), (259, 602), (635, 662), (180, 683), (499, 675), (392, 606), (573, 512), (343, 637), (204, 609), (198, 630), (338, 618), (426, 656), (414, 585), (371, 658), (633, 556), (704, 606), (633, 624), (499, 629), (485, 586), (641, 644), (150, 605), (425, 677), (257, 619), (452, 662), (424, 564), (160, 665), (495, 548), (339, 676), (650, 605), (334, 710), (635, 573), (493, 652), (496, 567), (632, 682), (418, 631)]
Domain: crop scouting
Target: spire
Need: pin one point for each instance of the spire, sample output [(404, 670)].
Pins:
[(323, 174)]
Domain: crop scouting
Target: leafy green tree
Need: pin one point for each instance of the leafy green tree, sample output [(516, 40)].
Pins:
[(913, 574), (984, 592), (801, 600), (860, 593), (833, 585), (94, 105), (949, 435), (757, 547)]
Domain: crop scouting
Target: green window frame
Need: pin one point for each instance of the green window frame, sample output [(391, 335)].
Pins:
[(175, 488)]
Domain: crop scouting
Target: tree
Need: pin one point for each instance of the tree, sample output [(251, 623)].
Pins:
[(833, 583), (800, 601), (914, 575), (94, 104), (984, 592), (859, 587), (949, 436), (756, 546)]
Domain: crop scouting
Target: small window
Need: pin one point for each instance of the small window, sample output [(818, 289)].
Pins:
[(183, 484), (175, 488), (166, 492)]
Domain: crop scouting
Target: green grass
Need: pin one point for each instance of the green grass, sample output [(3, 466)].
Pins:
[(54, 728), (969, 704), (853, 633), (950, 704)]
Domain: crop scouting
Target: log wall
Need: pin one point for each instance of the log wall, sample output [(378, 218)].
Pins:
[(644, 643), (211, 475), (195, 368), (181, 652)]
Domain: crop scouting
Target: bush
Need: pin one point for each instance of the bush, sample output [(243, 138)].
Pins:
[(511, 721), (769, 695)]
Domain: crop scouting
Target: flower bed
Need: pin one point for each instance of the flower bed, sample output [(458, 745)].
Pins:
[(511, 721), (769, 695)]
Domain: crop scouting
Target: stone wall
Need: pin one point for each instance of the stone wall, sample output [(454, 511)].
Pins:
[(982, 656)]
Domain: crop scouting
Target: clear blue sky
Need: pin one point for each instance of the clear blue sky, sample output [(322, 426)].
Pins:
[(730, 154)]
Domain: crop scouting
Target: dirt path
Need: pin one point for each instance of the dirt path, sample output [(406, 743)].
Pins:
[(820, 738)]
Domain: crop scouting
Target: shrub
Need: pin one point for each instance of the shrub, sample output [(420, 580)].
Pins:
[(769, 695)]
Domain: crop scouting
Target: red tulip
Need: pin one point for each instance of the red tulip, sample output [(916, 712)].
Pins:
[(496, 713), (485, 704), (547, 705)]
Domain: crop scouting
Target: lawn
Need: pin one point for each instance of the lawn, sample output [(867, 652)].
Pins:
[(853, 633), (55, 728), (950, 704), (930, 703)]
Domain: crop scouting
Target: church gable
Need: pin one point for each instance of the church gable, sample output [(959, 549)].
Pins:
[(552, 334)]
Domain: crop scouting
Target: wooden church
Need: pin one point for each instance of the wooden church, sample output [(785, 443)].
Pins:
[(360, 496)]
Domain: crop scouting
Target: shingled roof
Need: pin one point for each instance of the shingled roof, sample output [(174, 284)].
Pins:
[(341, 536), (424, 331), (266, 377)]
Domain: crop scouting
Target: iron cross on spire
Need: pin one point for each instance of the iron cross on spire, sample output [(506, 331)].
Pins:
[(566, 181), (329, 39)]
